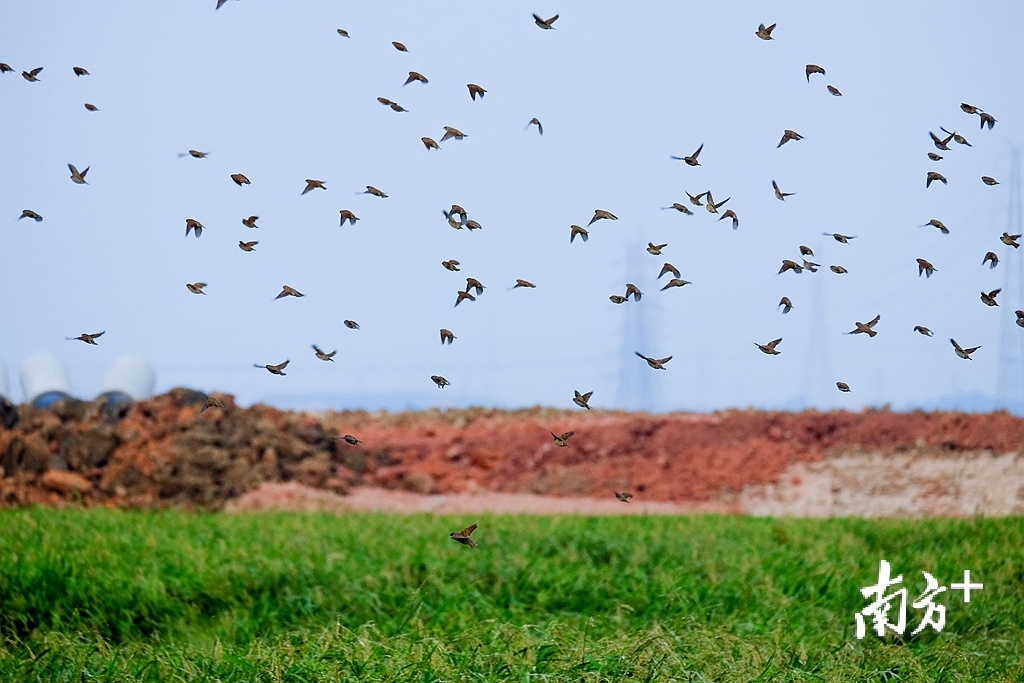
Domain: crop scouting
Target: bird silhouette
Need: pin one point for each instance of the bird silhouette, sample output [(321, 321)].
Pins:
[(769, 348), (866, 328), (323, 355), (813, 69), (274, 369), (764, 33), (545, 23), (463, 536), (78, 177), (655, 363), (779, 194), (989, 298), (925, 267), (582, 399), (289, 291), (962, 352), (692, 159), (88, 338), (312, 184)]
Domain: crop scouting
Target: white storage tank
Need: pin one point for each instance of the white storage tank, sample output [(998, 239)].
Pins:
[(130, 376), (44, 379)]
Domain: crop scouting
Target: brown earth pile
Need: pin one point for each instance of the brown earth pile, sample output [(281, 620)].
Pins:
[(165, 451)]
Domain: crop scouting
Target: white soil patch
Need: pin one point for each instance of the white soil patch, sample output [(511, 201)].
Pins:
[(849, 484)]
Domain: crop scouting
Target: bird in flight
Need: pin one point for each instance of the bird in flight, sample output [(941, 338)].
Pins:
[(961, 351), (779, 194), (349, 439), (991, 259), (274, 369), (247, 246), (196, 287), (729, 213), (582, 399), (545, 23), (989, 298), (785, 304), (475, 90), (681, 208), (602, 214), (769, 348), (833, 90), (788, 135), (240, 179), (415, 76), (711, 206), (322, 355), (623, 496), (575, 230), (1010, 240), (463, 536), (936, 223), (250, 222), (30, 76), (312, 184), (430, 143), (655, 249), (440, 381), (398, 46), (213, 402), (450, 133), (933, 176), (813, 69), (29, 213), (447, 337), (347, 215), (843, 387), (370, 189), (925, 267), (676, 282), (763, 32), (923, 330), (289, 291), (88, 338), (562, 440), (989, 180), (655, 363), (523, 283), (193, 224), (692, 159), (842, 239), (351, 324), (536, 122), (866, 328), (634, 291), (76, 176)]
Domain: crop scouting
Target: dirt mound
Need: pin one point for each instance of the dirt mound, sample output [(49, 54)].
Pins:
[(168, 451)]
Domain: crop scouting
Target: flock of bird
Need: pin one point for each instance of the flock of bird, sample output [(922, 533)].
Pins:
[(458, 218)]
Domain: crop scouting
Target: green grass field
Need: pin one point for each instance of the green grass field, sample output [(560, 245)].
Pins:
[(94, 595)]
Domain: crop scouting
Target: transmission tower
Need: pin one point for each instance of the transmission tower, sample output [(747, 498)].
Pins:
[(1010, 381), (818, 365), (635, 389)]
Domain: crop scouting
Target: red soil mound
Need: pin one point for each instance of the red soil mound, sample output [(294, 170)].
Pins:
[(166, 451)]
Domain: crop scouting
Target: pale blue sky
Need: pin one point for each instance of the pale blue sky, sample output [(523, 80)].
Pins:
[(272, 91)]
